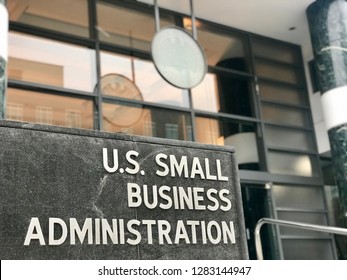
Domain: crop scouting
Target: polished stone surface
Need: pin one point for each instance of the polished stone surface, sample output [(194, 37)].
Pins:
[(54, 172), (3, 86), (327, 22), (338, 142)]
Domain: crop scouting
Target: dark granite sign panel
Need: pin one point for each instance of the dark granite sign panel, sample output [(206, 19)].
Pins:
[(79, 194)]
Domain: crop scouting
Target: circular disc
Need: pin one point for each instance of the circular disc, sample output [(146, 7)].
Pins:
[(178, 57), (121, 86)]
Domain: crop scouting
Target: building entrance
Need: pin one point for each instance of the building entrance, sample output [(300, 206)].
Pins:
[(256, 205)]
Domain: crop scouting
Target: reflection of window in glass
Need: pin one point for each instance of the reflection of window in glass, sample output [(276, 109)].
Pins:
[(208, 131), (14, 111), (127, 27), (42, 61), (49, 108), (73, 118), (44, 114), (212, 136), (241, 135), (143, 73), (68, 16), (171, 131), (149, 128), (145, 121), (189, 133)]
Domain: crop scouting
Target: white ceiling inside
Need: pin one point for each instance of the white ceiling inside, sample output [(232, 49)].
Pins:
[(272, 18)]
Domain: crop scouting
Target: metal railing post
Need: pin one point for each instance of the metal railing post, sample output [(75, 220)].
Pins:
[(261, 222)]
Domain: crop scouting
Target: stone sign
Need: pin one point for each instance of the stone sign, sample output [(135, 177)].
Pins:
[(83, 194)]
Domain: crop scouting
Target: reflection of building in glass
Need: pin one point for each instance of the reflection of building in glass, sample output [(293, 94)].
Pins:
[(171, 131), (44, 114), (14, 111), (255, 97), (73, 118)]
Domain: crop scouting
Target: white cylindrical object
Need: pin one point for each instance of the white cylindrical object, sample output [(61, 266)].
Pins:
[(3, 32), (334, 104)]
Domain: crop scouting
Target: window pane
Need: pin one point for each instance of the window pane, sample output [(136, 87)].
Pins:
[(307, 249), (119, 72), (288, 138), (300, 197), (277, 72), (275, 51), (48, 62), (282, 94), (29, 106), (231, 133), (285, 115), (68, 16), (223, 93), (292, 164), (127, 27), (302, 217), (222, 49), (133, 119)]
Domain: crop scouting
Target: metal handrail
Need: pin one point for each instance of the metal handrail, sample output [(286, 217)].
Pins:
[(261, 222)]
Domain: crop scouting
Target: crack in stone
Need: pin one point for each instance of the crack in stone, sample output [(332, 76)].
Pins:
[(101, 186)]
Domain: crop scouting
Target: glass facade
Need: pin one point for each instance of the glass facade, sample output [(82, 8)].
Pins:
[(51, 63), (93, 70)]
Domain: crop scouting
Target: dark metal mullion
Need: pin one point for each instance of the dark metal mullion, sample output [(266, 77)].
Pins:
[(290, 151), (236, 73), (303, 128), (47, 89), (226, 116), (179, 23), (281, 83), (274, 233), (192, 115), (115, 99), (93, 22), (120, 50), (306, 237), (92, 19), (285, 104), (262, 152), (278, 179), (301, 210), (288, 126)]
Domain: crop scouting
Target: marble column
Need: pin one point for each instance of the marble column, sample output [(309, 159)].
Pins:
[(3, 56), (328, 28)]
